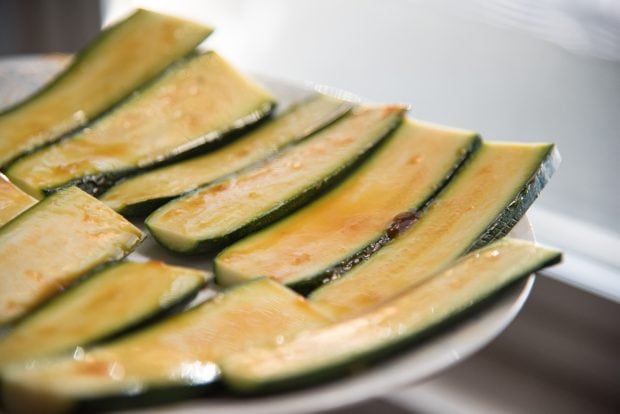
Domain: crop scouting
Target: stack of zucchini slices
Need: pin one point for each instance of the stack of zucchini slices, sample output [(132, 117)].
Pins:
[(341, 232)]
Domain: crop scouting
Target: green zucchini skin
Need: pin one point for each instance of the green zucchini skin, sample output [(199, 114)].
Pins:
[(196, 134), (173, 288), (522, 201), (285, 208), (194, 34), (307, 285), (499, 227), (337, 110), (104, 234), (241, 316), (365, 357), (97, 184)]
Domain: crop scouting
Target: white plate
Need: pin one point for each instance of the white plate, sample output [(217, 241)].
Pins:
[(21, 75)]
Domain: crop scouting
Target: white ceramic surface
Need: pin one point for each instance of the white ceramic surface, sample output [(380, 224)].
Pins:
[(19, 76)]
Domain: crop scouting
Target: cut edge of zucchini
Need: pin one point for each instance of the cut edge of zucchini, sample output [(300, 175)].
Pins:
[(187, 245)]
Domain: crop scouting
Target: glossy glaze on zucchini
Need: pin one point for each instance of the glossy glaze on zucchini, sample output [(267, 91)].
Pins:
[(145, 192), (353, 218), (500, 181), (178, 354), (343, 347), (226, 210), (13, 201), (110, 68), (55, 242), (195, 104), (111, 300)]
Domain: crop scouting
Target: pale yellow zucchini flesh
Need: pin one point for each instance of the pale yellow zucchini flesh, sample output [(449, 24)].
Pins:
[(13, 201), (226, 210), (193, 104), (492, 190), (338, 348), (53, 243), (399, 177), (121, 59), (146, 191), (181, 350), (109, 301)]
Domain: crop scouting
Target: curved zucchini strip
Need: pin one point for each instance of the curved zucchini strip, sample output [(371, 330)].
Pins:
[(180, 352), (145, 192), (343, 347), (351, 220), (195, 104), (55, 242), (13, 201), (500, 180), (110, 301), (224, 211), (110, 68)]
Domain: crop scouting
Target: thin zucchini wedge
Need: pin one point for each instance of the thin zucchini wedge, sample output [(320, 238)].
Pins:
[(55, 242), (123, 57), (357, 216), (177, 355), (145, 192), (220, 213), (491, 192), (110, 301), (13, 201), (343, 347), (193, 105)]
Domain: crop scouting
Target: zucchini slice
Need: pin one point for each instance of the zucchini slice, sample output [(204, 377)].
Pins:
[(482, 202), (226, 210), (110, 301), (13, 201), (342, 347), (193, 105), (145, 192), (53, 243), (351, 220), (179, 353), (123, 57)]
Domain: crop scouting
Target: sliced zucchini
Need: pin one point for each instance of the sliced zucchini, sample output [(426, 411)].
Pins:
[(491, 192), (193, 105), (53, 243), (112, 300), (352, 219), (145, 192), (343, 347), (110, 68), (226, 210), (179, 353), (12, 200)]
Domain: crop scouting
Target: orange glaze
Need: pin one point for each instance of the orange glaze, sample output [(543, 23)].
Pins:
[(355, 213), (470, 203)]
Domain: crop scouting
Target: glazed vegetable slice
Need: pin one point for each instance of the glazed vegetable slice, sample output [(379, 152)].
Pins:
[(193, 105), (108, 302), (54, 243), (482, 202), (352, 219), (343, 347), (173, 356), (111, 67), (145, 192), (224, 211), (13, 201)]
